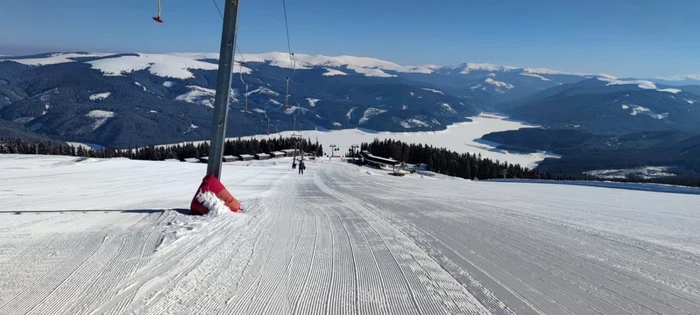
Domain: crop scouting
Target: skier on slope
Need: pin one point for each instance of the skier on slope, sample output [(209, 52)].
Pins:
[(302, 166)]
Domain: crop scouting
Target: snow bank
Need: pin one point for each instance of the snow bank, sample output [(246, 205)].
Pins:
[(99, 96)]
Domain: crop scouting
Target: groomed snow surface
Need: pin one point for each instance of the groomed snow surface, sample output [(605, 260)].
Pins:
[(101, 237)]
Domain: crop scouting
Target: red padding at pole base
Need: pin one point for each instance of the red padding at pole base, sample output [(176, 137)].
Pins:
[(213, 185)]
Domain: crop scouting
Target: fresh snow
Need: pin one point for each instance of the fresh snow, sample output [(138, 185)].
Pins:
[(312, 101), (332, 72), (198, 95), (99, 96), (433, 90), (168, 84), (369, 113), (339, 239)]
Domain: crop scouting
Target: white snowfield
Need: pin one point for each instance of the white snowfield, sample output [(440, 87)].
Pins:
[(339, 239)]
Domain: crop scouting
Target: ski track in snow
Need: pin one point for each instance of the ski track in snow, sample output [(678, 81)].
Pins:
[(334, 241)]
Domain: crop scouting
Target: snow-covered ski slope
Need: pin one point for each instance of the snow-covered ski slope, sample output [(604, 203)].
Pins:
[(339, 239)]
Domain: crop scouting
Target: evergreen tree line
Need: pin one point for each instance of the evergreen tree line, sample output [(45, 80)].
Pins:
[(473, 166), (443, 161), (178, 151)]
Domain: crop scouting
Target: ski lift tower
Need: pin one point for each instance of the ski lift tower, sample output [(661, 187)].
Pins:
[(333, 149), (223, 88), (297, 139)]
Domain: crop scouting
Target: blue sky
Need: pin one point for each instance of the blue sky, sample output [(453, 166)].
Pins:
[(619, 37)]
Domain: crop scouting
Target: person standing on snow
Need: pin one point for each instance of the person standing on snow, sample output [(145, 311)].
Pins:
[(302, 167)]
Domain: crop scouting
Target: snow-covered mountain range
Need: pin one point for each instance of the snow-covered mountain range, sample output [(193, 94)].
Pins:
[(138, 98)]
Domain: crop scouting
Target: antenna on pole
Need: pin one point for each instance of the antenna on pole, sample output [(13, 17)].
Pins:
[(223, 88)]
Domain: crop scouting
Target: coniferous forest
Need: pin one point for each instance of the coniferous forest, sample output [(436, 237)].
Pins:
[(155, 153), (443, 161), (473, 166)]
